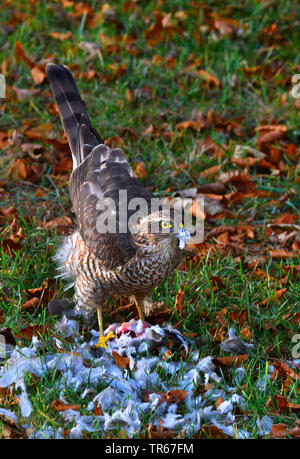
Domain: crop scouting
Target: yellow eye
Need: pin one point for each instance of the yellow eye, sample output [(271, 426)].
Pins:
[(166, 225)]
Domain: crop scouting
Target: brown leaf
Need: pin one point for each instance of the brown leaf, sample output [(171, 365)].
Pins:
[(30, 304), (64, 166), (179, 301), (211, 79), (161, 28), (8, 335), (195, 125), (197, 210), (269, 137), (280, 253), (231, 360), (121, 361), (114, 142), (129, 96), (37, 74), (176, 395), (242, 182), (21, 55), (31, 330), (37, 71), (223, 238), (217, 284), (283, 370), (286, 218), (20, 168), (246, 332), (10, 247), (279, 404), (278, 296), (8, 212), (243, 317), (172, 396), (156, 432), (57, 405), (271, 127), (215, 232), (140, 170), (61, 36), (58, 222), (215, 188), (280, 431), (11, 430), (39, 132), (210, 171)]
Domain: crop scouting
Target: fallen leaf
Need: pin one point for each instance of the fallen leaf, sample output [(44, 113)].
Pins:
[(280, 253), (10, 429), (217, 284), (31, 330), (60, 223), (278, 295), (57, 405), (140, 170), (195, 125), (231, 360), (210, 171), (64, 166), (279, 404), (281, 431), (176, 395), (269, 137), (179, 301), (156, 432), (209, 78), (61, 36), (121, 361), (30, 304)]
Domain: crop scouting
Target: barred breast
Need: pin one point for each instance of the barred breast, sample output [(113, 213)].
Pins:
[(140, 274)]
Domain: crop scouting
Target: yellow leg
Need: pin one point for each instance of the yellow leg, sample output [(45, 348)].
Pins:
[(102, 339), (139, 310)]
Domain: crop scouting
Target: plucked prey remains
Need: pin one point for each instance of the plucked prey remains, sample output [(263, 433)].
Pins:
[(101, 264)]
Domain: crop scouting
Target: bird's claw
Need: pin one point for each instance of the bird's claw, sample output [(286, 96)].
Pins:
[(103, 339)]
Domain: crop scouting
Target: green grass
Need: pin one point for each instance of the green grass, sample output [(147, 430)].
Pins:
[(163, 97)]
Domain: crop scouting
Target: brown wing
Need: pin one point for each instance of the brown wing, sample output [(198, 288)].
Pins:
[(99, 174)]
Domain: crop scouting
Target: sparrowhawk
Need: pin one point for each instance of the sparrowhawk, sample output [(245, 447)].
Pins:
[(131, 261)]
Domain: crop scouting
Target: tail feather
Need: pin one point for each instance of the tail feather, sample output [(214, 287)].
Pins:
[(74, 117)]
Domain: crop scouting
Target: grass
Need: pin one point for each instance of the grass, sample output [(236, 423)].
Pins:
[(154, 98)]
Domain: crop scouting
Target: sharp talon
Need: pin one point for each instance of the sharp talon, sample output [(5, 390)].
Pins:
[(103, 339)]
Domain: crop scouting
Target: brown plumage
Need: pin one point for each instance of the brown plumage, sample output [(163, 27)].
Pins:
[(101, 264)]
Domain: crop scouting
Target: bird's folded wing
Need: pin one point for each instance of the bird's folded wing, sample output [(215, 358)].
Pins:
[(95, 187), (99, 173)]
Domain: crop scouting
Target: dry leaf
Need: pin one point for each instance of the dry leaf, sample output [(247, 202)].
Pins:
[(121, 361), (231, 360), (212, 431), (156, 432), (280, 253), (57, 405), (179, 301)]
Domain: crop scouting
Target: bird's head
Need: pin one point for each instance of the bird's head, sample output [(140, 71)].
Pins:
[(161, 230)]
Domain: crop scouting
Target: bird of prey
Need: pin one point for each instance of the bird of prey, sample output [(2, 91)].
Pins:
[(129, 261)]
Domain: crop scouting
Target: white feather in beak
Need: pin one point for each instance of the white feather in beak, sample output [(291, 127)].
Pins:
[(182, 236)]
